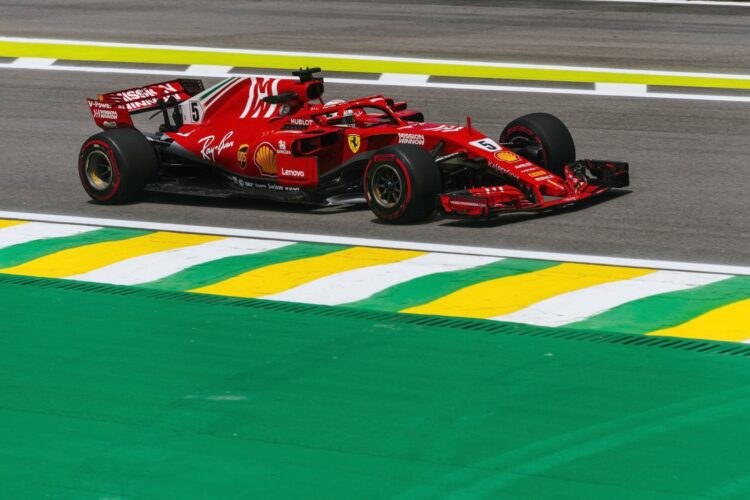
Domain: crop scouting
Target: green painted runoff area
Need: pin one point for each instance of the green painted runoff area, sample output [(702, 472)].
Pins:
[(110, 392)]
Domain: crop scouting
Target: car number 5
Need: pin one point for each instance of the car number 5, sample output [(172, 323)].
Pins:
[(486, 144), (195, 112)]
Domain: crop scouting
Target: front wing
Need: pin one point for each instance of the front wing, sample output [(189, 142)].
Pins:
[(586, 179)]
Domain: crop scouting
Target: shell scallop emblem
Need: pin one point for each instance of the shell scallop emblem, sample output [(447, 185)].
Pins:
[(265, 159), (507, 156)]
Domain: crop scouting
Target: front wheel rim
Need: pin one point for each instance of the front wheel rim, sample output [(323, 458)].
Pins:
[(387, 185), (527, 147), (98, 170)]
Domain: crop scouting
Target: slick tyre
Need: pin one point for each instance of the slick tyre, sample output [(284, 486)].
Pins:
[(114, 166), (542, 139), (401, 184)]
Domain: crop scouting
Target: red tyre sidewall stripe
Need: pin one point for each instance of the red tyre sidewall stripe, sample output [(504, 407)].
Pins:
[(408, 180), (407, 177), (375, 159), (113, 163)]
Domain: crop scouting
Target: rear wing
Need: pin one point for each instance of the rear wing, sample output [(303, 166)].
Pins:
[(113, 110)]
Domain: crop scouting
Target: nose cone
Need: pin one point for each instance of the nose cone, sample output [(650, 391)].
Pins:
[(554, 186)]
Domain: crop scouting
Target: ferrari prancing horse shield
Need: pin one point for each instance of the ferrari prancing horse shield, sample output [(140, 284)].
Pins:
[(354, 142)]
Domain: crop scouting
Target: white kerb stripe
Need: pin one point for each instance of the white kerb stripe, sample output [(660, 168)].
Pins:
[(31, 231), (581, 304), (154, 266), (605, 260), (358, 284)]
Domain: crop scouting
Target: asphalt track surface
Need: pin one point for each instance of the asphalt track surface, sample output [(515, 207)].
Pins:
[(688, 158)]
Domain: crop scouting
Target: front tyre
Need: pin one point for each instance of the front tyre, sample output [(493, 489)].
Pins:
[(401, 184), (114, 166), (543, 139)]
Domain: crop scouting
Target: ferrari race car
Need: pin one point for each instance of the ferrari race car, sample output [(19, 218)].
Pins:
[(276, 138)]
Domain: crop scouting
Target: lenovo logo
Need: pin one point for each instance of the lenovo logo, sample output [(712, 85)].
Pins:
[(292, 173)]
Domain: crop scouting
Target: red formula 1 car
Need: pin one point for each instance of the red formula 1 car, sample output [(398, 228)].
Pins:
[(276, 138)]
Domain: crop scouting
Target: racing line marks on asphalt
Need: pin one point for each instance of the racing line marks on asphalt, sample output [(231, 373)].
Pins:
[(552, 293), (392, 71)]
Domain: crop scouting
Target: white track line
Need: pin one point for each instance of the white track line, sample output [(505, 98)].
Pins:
[(621, 88), (493, 64), (375, 243), (32, 62), (151, 267), (358, 284), (25, 233), (581, 304), (204, 69), (605, 91), (678, 2), (399, 78)]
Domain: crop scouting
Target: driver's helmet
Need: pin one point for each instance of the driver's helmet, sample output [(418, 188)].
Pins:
[(347, 119)]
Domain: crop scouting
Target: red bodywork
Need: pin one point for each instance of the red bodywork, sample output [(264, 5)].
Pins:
[(295, 140)]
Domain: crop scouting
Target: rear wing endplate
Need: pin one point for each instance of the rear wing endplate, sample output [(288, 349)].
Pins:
[(113, 110)]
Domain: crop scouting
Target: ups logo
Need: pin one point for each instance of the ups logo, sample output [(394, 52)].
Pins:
[(242, 156)]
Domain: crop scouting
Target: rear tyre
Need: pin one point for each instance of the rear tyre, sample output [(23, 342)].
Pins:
[(402, 185), (542, 139), (114, 166)]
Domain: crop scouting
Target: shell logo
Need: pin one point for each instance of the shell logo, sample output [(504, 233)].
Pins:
[(265, 159), (507, 156)]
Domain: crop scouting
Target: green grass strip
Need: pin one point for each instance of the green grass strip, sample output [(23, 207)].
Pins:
[(222, 269), (668, 309), (428, 288), (157, 55), (25, 252)]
